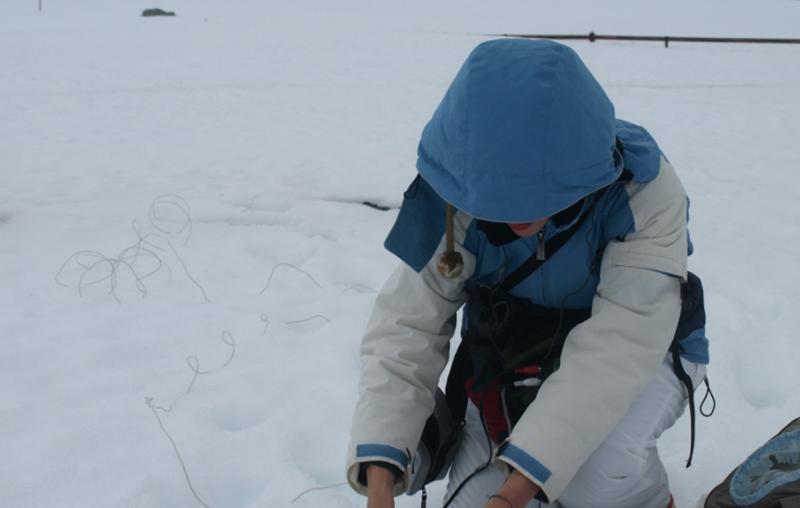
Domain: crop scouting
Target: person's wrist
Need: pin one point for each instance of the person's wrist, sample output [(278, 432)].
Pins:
[(499, 501), (380, 487), (380, 481), (517, 491)]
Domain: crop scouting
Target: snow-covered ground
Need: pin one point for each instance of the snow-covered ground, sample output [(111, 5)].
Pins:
[(221, 157)]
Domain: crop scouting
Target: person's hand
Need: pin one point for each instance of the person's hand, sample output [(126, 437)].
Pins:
[(517, 490), (380, 487)]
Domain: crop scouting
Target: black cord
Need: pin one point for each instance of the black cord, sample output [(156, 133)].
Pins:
[(481, 468), (589, 231), (703, 412), (680, 372)]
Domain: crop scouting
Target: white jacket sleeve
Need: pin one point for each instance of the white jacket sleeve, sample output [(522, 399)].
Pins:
[(611, 356), (403, 353)]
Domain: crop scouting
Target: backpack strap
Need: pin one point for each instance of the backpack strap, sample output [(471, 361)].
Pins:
[(684, 378), (455, 391), (693, 317)]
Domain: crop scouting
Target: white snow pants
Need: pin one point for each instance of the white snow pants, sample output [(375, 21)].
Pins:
[(624, 472)]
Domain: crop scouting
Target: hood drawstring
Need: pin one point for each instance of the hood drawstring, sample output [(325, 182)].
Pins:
[(450, 263)]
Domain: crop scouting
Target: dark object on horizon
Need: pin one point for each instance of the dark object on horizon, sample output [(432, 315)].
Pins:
[(156, 12), (376, 206)]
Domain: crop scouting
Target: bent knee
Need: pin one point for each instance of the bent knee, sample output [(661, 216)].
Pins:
[(617, 478)]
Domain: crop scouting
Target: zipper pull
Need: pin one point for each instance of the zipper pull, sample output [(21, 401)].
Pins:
[(540, 254)]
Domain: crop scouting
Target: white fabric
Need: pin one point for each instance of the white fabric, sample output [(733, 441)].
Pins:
[(403, 352), (660, 240), (624, 472)]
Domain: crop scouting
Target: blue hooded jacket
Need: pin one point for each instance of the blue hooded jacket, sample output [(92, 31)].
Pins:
[(525, 131)]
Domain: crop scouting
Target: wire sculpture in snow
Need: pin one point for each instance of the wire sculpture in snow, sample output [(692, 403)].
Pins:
[(160, 213), (142, 260)]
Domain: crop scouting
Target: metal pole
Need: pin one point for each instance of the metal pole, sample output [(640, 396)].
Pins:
[(40, 5), (666, 40)]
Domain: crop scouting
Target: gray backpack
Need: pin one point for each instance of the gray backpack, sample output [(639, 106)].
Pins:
[(769, 478)]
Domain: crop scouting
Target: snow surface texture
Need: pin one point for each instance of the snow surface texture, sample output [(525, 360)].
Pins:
[(182, 242)]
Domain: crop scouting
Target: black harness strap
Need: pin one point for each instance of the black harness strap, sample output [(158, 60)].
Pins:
[(455, 391), (684, 378), (462, 368), (693, 317)]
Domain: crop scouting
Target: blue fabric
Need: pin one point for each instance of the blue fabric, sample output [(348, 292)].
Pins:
[(569, 278), (642, 155), (524, 131), (759, 475), (695, 347), (688, 235), (419, 227), (382, 450), (532, 466)]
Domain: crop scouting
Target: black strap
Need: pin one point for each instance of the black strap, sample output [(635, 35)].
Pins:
[(461, 368), (708, 394), (553, 245), (455, 391), (684, 378), (693, 317)]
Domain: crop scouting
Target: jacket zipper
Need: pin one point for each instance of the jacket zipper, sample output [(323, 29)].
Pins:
[(540, 251)]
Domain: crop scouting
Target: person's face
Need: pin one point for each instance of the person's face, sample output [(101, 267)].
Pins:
[(524, 229)]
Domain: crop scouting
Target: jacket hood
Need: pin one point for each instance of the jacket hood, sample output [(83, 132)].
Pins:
[(523, 132)]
